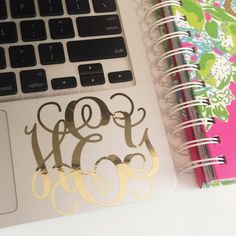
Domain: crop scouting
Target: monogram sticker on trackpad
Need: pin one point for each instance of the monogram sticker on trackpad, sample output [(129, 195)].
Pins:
[(8, 201)]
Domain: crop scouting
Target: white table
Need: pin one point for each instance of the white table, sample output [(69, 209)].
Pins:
[(187, 211)]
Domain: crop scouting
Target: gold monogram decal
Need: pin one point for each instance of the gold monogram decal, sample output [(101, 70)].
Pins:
[(72, 177)]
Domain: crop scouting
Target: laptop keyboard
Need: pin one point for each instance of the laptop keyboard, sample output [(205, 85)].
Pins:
[(53, 47)]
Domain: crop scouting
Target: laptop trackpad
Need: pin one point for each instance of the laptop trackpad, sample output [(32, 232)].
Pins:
[(8, 201)]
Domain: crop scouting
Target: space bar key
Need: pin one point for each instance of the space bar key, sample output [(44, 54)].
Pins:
[(96, 49)]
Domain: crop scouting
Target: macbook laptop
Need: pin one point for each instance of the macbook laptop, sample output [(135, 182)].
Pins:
[(80, 125)]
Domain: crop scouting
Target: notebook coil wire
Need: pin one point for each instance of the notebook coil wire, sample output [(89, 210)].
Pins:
[(173, 89), (189, 167)]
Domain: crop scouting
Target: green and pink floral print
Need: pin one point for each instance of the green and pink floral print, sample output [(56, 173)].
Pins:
[(212, 28)]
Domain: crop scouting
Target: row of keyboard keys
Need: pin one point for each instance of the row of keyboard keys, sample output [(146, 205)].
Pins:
[(53, 53), (26, 8), (30, 31), (60, 28), (24, 56), (32, 81)]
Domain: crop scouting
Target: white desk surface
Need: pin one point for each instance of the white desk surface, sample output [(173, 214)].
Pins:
[(187, 211)]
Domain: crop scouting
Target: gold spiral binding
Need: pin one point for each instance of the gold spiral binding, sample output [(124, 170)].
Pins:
[(170, 72)]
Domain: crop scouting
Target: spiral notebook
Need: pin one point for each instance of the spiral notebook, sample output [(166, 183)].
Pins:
[(200, 42)]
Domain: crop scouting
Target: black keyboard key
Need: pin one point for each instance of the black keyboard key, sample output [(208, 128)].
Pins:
[(50, 7), (97, 49), (22, 8), (91, 74), (51, 53), (104, 5), (90, 69), (61, 28), (64, 83), (120, 76), (77, 6), (2, 59), (33, 81), (22, 56), (8, 32), (3, 10), (33, 30), (98, 25), (7, 84)]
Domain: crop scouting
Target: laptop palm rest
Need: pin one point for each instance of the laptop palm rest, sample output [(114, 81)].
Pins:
[(8, 202)]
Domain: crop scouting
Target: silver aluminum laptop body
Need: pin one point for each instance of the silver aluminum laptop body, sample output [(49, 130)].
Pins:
[(73, 150)]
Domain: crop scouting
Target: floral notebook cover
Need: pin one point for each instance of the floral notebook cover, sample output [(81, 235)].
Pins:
[(212, 28)]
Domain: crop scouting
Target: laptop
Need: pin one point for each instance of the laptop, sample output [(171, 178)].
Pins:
[(80, 124)]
